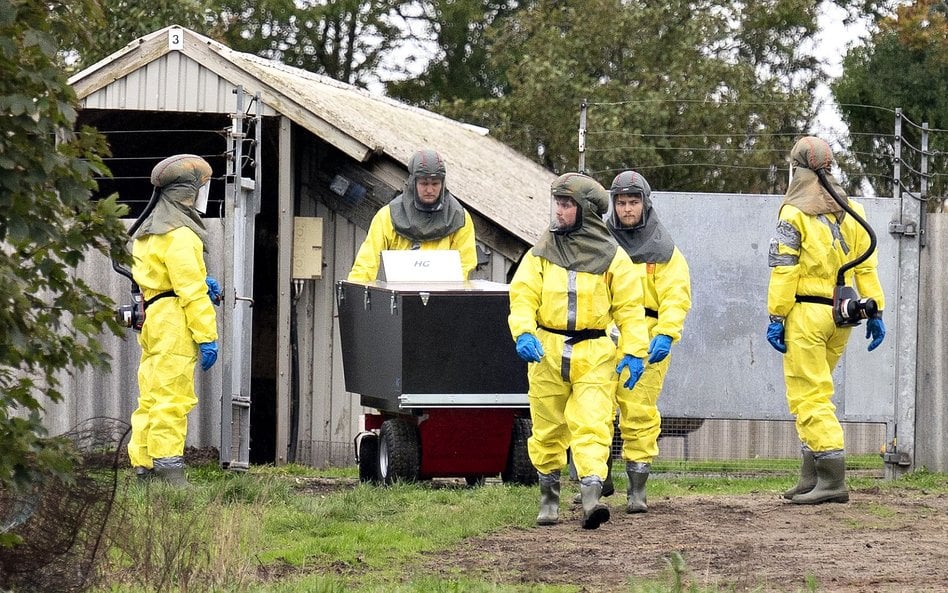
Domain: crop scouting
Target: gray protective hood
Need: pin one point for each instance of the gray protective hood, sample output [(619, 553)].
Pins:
[(648, 241), (589, 248), (177, 179), (416, 221)]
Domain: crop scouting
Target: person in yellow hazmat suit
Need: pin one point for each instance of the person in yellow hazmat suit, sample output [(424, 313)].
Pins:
[(667, 293), (564, 294), (180, 324), (424, 216), (815, 237)]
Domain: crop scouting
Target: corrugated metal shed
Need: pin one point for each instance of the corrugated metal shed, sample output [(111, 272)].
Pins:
[(486, 175), (175, 79)]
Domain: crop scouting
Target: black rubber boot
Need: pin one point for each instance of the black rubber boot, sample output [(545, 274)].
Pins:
[(594, 512), (638, 475), (807, 475), (830, 481), (549, 498), (144, 474)]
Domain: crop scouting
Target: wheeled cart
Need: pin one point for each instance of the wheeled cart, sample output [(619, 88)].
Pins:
[(437, 363)]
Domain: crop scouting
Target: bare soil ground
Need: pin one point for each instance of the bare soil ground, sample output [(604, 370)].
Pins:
[(881, 541)]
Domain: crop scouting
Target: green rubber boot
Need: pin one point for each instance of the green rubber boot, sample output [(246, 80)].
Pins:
[(830, 480), (608, 486), (638, 475), (594, 512), (549, 498), (807, 475), (173, 476), (170, 470)]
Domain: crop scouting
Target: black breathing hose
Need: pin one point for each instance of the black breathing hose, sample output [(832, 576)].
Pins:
[(131, 232), (840, 276)]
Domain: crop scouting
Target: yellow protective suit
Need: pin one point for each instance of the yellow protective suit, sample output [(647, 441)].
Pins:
[(173, 328), (572, 389), (382, 236), (805, 256), (667, 289)]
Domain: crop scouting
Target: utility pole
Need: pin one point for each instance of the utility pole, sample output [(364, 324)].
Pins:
[(582, 136)]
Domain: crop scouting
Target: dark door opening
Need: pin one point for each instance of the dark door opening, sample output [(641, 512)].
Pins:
[(263, 418)]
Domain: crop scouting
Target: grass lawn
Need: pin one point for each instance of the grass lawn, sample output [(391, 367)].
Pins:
[(294, 529)]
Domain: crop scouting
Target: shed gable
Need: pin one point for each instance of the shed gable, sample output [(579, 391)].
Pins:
[(172, 82)]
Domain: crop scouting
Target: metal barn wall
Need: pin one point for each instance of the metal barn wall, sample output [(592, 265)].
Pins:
[(723, 367), (329, 415), (724, 370), (112, 390)]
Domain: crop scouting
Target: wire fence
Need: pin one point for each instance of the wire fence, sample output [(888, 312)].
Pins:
[(696, 446), (908, 158)]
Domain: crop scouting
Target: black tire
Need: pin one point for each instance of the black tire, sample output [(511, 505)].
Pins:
[(399, 452), (519, 469), (369, 459)]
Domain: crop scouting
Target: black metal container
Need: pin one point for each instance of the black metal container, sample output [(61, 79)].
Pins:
[(443, 344)]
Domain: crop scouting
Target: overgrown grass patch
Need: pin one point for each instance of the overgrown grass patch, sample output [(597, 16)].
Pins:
[(268, 530), (379, 527)]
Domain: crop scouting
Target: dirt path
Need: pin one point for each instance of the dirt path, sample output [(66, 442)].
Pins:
[(881, 542)]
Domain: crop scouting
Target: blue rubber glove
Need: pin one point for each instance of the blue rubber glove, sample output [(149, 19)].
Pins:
[(659, 348), (635, 366), (775, 335), (213, 290), (875, 329), (208, 354), (529, 348)]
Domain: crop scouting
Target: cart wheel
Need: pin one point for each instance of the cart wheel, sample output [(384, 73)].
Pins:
[(475, 481), (519, 468), (399, 457), (369, 459)]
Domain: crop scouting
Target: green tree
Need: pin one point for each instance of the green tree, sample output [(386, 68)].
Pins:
[(50, 318), (698, 95), (119, 22), (343, 39), (461, 67), (904, 65)]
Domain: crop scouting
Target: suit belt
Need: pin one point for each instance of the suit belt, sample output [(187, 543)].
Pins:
[(159, 296), (651, 313), (575, 336), (803, 298)]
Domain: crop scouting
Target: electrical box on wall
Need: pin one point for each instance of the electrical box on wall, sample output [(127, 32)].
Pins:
[(307, 248)]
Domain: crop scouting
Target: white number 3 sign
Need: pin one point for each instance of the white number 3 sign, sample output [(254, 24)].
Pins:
[(175, 39)]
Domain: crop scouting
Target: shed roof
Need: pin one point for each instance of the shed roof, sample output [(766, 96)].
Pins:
[(485, 174)]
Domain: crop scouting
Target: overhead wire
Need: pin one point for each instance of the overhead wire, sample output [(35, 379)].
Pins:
[(919, 126), (743, 142), (165, 131), (707, 165), (223, 133)]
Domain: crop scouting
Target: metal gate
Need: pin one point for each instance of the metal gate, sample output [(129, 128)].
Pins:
[(242, 204)]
